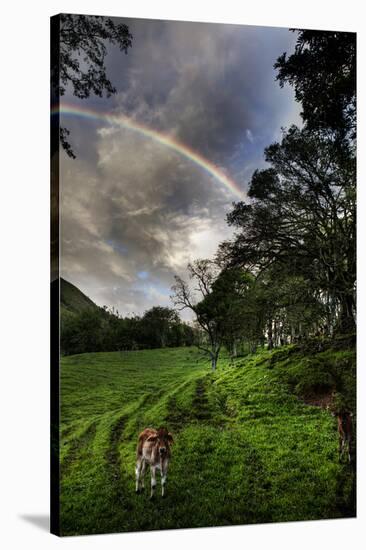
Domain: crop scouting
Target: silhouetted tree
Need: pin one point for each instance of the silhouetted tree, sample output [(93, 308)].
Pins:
[(78, 58), (202, 273), (322, 71), (301, 216), (223, 303), (157, 325)]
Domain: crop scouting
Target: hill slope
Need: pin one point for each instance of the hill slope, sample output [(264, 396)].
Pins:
[(72, 300), (246, 450)]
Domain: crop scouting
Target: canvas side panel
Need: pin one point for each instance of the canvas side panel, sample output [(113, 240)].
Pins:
[(55, 282)]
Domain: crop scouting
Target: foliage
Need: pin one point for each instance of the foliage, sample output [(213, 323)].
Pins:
[(82, 332), (317, 372), (302, 215), (80, 51), (234, 302), (97, 329), (224, 303), (201, 302), (158, 323), (300, 220), (322, 71)]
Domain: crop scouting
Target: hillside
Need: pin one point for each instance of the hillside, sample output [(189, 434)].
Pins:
[(248, 448), (72, 300)]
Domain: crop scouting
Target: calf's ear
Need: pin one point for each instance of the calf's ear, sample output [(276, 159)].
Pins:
[(152, 438), (170, 437)]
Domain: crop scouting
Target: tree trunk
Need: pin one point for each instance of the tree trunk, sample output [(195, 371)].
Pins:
[(292, 336), (275, 334), (346, 322), (214, 356), (270, 335), (213, 361)]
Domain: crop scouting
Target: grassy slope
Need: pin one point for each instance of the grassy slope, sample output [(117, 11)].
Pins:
[(247, 450), (73, 300)]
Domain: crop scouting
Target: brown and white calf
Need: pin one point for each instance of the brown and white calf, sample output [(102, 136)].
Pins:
[(153, 448), (345, 430)]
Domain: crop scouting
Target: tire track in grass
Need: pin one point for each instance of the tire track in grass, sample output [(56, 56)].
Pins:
[(345, 503), (121, 492), (200, 405), (179, 416), (176, 417), (259, 488), (77, 446), (112, 455)]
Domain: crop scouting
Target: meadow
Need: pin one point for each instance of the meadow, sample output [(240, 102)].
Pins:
[(248, 447)]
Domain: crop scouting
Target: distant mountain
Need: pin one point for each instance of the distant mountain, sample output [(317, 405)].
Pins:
[(72, 300)]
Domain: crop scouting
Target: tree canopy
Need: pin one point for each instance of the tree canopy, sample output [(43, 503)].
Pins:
[(78, 58), (223, 302), (300, 219), (322, 71), (101, 329)]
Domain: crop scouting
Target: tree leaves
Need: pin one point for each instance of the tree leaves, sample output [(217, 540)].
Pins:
[(322, 71), (78, 56)]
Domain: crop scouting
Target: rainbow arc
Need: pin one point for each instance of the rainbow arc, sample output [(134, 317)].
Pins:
[(162, 138)]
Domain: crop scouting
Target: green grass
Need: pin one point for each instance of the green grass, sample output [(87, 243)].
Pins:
[(247, 449)]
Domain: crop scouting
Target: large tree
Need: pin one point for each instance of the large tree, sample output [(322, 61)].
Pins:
[(198, 299), (157, 326), (223, 302), (322, 70), (301, 216), (302, 210), (235, 297)]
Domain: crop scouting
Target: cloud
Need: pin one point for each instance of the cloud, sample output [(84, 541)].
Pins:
[(134, 212), (249, 135), (136, 219)]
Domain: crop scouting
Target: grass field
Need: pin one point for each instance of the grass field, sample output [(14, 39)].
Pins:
[(247, 449)]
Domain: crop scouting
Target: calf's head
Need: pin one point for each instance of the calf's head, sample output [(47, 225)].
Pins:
[(162, 439)]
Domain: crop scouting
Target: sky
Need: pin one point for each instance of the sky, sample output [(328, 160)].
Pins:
[(135, 211)]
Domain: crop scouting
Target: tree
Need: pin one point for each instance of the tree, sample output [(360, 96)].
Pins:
[(235, 295), (83, 332), (78, 58), (322, 71), (203, 273), (223, 304), (291, 305), (157, 325), (301, 216)]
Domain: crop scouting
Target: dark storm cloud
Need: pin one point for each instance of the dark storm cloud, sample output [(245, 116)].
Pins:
[(135, 212), (209, 83), (121, 218)]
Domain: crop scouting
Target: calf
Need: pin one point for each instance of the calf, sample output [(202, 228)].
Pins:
[(153, 448), (345, 433)]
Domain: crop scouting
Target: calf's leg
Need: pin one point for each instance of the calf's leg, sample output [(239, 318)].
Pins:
[(164, 473), (138, 473), (349, 449), (340, 448), (153, 481), (142, 474)]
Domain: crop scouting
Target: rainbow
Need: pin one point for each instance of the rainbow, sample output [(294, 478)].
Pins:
[(164, 139)]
